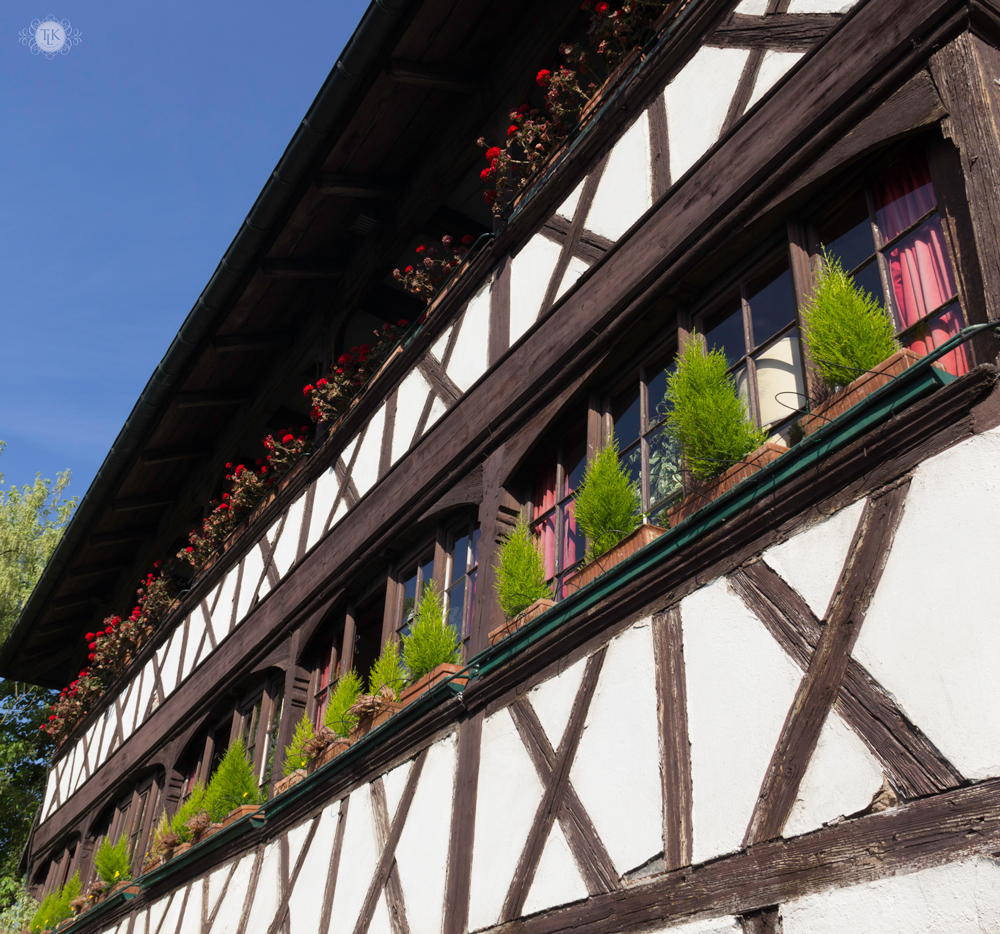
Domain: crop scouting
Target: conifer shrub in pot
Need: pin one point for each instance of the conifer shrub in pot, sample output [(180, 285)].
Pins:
[(56, 906), (431, 650), (522, 588), (720, 443), (333, 737), (111, 862), (608, 510), (232, 791), (851, 340), (293, 769), (385, 681)]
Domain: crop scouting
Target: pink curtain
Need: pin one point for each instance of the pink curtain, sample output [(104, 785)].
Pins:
[(544, 500), (919, 266)]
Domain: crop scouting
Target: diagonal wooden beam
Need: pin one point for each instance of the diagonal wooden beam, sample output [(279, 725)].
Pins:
[(440, 381), (592, 858), (289, 880), (394, 900), (781, 32), (330, 888), (818, 690), (912, 763), (555, 791), (388, 858)]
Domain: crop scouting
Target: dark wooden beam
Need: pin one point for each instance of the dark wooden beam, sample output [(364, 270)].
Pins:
[(784, 32), (352, 186), (235, 343), (301, 269), (171, 454), (94, 570), (79, 599), (145, 501), (431, 76), (123, 536), (208, 399)]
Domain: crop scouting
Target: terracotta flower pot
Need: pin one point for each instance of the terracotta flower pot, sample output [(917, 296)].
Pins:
[(627, 547), (289, 781), (372, 710), (724, 482), (855, 391), (239, 813), (516, 622), (330, 753), (430, 680)]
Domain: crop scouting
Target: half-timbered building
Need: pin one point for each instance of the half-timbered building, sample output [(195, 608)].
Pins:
[(783, 713)]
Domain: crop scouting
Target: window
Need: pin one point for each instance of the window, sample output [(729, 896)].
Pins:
[(553, 519), (325, 676), (638, 418), (411, 577), (132, 816), (460, 575), (259, 721), (755, 326), (888, 235)]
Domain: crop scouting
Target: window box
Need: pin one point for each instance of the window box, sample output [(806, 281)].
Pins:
[(516, 622), (183, 848), (238, 814), (430, 680), (332, 750), (726, 481), (853, 393), (289, 781), (372, 711), (627, 547)]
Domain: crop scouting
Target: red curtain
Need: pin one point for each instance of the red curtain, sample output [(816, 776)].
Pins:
[(919, 267)]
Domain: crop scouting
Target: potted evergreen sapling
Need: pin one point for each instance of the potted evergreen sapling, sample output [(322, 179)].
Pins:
[(112, 863), (385, 681), (431, 651), (720, 443), (608, 510), (522, 588), (232, 792), (293, 770), (851, 339), (56, 906), (338, 721), (155, 853)]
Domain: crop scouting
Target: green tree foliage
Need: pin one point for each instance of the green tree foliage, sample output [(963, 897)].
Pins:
[(430, 641), (194, 804), (111, 862), (32, 519), (347, 691), (520, 571), (387, 671), (847, 329), (295, 757), (233, 783), (19, 908), (709, 420), (55, 907), (608, 505)]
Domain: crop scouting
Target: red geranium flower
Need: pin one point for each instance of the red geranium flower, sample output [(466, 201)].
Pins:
[(542, 78), (486, 173), (92, 646), (305, 391), (601, 9), (320, 383), (402, 324), (344, 359), (286, 439), (493, 153), (89, 636), (490, 196), (421, 248), (408, 269), (466, 240), (189, 549), (91, 656), (511, 130), (109, 630)]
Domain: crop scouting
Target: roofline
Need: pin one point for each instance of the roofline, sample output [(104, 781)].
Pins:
[(361, 50)]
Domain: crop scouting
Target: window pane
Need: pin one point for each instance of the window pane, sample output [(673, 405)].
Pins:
[(546, 532), (903, 196), (772, 302), (664, 467), (459, 557), (625, 414), (656, 395), (574, 452), (426, 572), (545, 486), (779, 380), (847, 232), (409, 597), (456, 605), (475, 547), (573, 544), (920, 272), (934, 332), (631, 461), (472, 602), (727, 336), (742, 383), (869, 280)]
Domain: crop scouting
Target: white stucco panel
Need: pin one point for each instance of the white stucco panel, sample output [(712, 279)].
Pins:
[(228, 918), (411, 397), (357, 863), (327, 487), (568, 208), (932, 633), (468, 359), (253, 567), (422, 852), (740, 686), (305, 907), (508, 796), (158, 910), (438, 408), (441, 345), (365, 471), (222, 615), (574, 269), (557, 880), (530, 272), (394, 782), (752, 7), (841, 779), (811, 562), (216, 883), (725, 925), (624, 192), (697, 103), (288, 543), (169, 659), (173, 913), (960, 898), (820, 6), (196, 632), (616, 771), (267, 892), (772, 68), (552, 700), (191, 922), (381, 923)]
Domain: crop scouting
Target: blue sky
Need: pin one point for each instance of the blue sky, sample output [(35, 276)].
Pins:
[(126, 169)]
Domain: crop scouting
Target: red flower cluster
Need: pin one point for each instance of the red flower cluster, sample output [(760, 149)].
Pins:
[(283, 453), (430, 275)]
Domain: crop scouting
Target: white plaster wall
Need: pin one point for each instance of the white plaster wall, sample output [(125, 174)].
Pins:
[(568, 208), (841, 779), (697, 103), (574, 269), (552, 700), (253, 568), (228, 918), (438, 409), (216, 881), (393, 783), (422, 852), (441, 344), (222, 615), (468, 359), (380, 923), (772, 67), (191, 922), (327, 487), (173, 913), (169, 659), (306, 904), (616, 771), (932, 633), (752, 7), (530, 272), (812, 561), (410, 400), (365, 471), (267, 892), (960, 898), (820, 6), (557, 880), (624, 193), (357, 863), (508, 796), (724, 925), (740, 685), (288, 542)]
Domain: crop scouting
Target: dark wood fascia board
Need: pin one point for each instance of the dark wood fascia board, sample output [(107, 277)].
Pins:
[(144, 501), (353, 186), (444, 79), (122, 536), (877, 459), (169, 455)]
